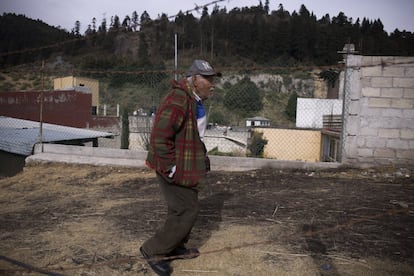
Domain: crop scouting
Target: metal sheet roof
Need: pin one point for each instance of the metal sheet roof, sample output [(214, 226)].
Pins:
[(19, 136)]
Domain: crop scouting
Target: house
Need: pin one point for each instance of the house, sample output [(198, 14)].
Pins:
[(80, 84), (257, 122)]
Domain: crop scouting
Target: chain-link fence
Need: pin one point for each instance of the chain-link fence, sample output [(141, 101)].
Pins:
[(281, 113)]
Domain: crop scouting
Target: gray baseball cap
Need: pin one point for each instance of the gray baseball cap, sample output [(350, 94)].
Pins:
[(202, 67)]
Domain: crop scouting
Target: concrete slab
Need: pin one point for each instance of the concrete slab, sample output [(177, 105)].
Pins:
[(44, 153)]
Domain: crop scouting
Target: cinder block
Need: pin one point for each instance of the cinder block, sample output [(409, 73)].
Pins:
[(403, 82), (402, 103), (403, 61), (352, 125), (360, 141), (405, 154), (383, 82), (408, 93), (381, 161), (375, 142), (351, 145), (371, 71), (384, 153), (354, 107), (397, 144), (389, 133), (366, 131), (392, 92), (409, 71), (371, 92), (379, 102), (367, 60), (408, 113), (393, 71), (401, 123), (407, 133), (392, 112), (379, 60), (354, 60), (367, 111), (366, 152)]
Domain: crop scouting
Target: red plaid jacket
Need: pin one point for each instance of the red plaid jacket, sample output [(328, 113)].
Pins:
[(175, 140)]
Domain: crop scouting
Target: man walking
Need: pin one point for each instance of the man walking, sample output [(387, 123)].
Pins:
[(179, 157)]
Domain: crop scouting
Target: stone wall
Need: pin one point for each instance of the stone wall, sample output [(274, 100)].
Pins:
[(379, 110)]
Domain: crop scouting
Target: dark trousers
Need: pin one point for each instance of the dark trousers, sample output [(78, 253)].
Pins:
[(183, 207)]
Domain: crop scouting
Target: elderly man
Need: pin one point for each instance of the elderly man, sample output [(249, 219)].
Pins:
[(178, 156)]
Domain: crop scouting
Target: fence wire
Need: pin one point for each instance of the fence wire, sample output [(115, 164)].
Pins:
[(281, 113)]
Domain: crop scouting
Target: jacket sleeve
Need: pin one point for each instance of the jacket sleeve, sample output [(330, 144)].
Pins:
[(168, 121)]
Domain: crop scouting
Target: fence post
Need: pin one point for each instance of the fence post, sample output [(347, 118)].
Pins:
[(349, 49), (41, 105)]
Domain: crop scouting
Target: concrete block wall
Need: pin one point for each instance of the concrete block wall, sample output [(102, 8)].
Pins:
[(379, 112)]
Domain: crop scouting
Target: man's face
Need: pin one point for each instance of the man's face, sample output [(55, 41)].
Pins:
[(204, 86)]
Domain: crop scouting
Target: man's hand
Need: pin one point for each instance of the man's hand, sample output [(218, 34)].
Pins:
[(172, 172)]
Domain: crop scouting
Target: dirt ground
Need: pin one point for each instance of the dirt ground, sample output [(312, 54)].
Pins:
[(60, 219)]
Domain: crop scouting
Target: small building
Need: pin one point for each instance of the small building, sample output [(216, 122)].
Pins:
[(257, 122), (18, 138), (80, 84)]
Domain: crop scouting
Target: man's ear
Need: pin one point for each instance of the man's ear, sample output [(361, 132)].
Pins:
[(194, 79)]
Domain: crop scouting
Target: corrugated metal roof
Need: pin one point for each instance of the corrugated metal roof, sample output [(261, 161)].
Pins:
[(257, 118), (19, 136)]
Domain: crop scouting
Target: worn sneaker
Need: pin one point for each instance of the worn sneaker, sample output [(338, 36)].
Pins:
[(161, 267), (183, 253)]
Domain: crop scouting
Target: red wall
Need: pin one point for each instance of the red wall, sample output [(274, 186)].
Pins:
[(69, 108)]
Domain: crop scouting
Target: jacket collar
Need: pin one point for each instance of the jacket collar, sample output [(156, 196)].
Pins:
[(182, 85)]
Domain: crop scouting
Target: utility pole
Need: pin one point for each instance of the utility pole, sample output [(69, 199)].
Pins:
[(212, 43)]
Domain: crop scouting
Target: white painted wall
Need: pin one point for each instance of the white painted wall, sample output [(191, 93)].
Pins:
[(309, 112)]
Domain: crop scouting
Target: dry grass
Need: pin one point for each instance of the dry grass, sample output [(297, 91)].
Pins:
[(85, 220)]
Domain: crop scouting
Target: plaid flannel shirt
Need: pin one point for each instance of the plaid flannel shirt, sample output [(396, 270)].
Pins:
[(175, 139)]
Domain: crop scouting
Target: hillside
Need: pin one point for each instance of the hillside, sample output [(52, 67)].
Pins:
[(249, 35), (24, 40), (134, 65)]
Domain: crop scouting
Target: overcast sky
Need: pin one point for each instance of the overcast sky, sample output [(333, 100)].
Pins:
[(393, 13)]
